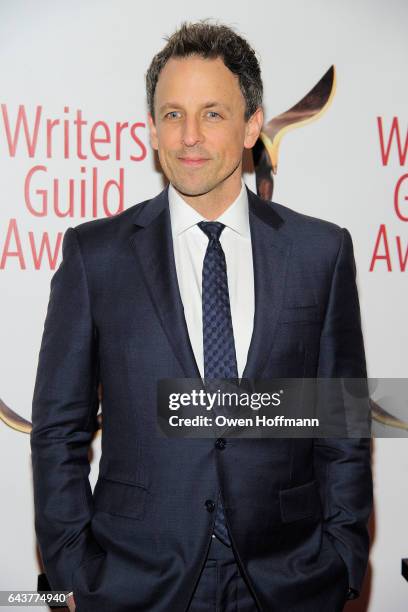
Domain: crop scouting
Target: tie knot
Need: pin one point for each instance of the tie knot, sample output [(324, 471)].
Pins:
[(212, 229)]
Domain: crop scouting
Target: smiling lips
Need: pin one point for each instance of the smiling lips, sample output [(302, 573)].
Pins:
[(193, 162)]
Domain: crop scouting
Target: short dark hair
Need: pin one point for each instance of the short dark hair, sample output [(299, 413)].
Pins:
[(211, 41)]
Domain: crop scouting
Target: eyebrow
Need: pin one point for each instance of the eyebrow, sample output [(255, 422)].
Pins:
[(209, 104)]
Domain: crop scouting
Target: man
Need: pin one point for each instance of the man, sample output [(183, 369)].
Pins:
[(189, 524)]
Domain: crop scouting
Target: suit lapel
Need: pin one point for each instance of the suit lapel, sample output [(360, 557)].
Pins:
[(153, 246), (270, 248)]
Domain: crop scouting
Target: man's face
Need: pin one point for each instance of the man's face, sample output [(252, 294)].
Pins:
[(199, 129)]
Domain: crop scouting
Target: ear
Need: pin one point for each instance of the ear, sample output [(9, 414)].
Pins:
[(253, 128), (154, 141)]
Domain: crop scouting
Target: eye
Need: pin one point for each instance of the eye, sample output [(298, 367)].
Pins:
[(213, 115), (172, 115)]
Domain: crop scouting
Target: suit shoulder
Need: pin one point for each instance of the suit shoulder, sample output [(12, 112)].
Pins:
[(107, 225), (311, 233), (99, 236), (299, 222), (313, 239)]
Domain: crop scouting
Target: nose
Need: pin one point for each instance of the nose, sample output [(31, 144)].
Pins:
[(191, 134)]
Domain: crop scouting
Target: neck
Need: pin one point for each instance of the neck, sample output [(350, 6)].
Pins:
[(212, 204)]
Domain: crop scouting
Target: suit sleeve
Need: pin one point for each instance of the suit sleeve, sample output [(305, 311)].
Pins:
[(64, 408), (343, 465)]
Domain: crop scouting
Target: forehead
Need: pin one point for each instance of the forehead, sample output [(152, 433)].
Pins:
[(196, 79)]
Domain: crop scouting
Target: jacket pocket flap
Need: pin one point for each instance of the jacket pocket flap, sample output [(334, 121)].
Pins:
[(120, 498), (300, 502)]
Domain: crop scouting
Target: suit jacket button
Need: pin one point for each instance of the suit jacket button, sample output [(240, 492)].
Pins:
[(209, 504), (220, 443)]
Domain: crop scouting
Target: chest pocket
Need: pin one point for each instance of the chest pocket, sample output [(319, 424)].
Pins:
[(307, 313), (300, 305)]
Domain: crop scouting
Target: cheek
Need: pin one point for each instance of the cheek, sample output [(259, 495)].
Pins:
[(168, 140), (166, 157), (231, 153), (230, 143)]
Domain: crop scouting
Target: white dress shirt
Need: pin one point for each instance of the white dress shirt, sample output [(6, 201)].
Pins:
[(190, 244)]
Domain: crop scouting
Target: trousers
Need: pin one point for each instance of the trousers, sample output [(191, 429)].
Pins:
[(221, 587)]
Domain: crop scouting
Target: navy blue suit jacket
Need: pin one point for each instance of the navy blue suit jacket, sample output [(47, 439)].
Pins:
[(297, 509)]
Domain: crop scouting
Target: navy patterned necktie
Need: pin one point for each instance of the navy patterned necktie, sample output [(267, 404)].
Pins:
[(218, 339)]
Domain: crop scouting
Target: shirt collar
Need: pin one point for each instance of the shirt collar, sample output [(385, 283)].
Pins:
[(183, 216)]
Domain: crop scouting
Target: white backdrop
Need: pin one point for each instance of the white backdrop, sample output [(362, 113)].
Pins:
[(92, 56)]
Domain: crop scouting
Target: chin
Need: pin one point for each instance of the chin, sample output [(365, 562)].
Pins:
[(192, 190)]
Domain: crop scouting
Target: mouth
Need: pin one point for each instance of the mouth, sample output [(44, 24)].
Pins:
[(193, 162)]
